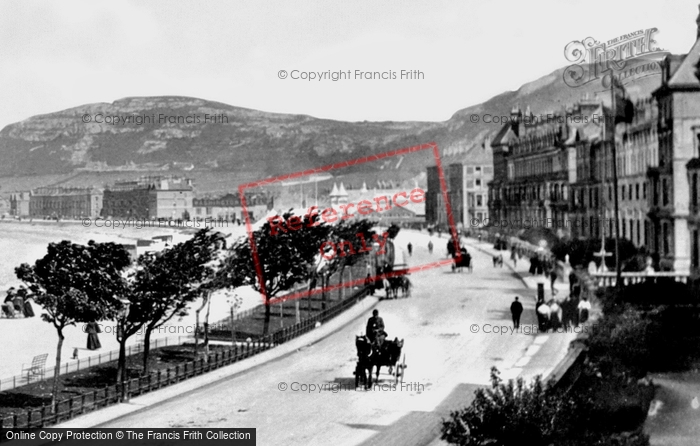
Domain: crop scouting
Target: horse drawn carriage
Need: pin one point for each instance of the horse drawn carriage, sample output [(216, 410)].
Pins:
[(375, 354), (396, 281), (463, 260)]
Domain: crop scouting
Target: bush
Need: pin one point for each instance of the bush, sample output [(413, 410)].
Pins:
[(620, 343), (512, 413), (667, 337)]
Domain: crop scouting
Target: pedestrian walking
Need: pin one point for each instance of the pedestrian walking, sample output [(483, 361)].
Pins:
[(543, 316), (552, 279), (410, 249), (516, 309), (567, 312), (430, 246), (555, 314), (369, 285), (573, 278), (514, 257), (93, 342), (584, 308), (533, 265)]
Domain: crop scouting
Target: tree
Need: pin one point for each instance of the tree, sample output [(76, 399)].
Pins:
[(351, 242), (163, 285), (76, 284), (274, 261)]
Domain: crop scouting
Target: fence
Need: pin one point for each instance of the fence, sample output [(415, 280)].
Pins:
[(91, 361), (87, 402)]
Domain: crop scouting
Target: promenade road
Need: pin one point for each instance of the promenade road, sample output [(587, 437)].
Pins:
[(450, 345)]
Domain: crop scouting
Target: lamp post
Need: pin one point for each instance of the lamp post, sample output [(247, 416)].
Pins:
[(123, 315)]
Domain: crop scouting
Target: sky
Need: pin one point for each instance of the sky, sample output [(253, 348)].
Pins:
[(56, 55)]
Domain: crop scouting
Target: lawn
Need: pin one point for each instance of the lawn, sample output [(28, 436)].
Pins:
[(38, 393)]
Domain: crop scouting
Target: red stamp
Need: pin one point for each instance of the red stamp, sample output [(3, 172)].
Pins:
[(363, 207)]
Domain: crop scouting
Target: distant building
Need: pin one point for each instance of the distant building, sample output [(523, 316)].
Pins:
[(407, 212), (467, 188), (338, 195), (65, 202), (547, 172), (150, 197), (435, 208), (19, 203), (4, 206), (229, 208), (637, 165)]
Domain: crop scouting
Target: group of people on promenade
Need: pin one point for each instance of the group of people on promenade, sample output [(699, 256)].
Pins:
[(17, 304), (556, 314)]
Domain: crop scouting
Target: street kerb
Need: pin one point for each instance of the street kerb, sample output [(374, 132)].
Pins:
[(279, 181)]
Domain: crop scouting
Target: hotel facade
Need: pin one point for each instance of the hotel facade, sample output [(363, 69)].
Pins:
[(560, 172)]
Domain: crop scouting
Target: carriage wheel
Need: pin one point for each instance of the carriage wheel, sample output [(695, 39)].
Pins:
[(403, 368)]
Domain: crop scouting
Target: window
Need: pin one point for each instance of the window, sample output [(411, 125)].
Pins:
[(479, 200), (664, 191), (694, 189), (631, 230), (644, 191), (622, 193), (646, 233), (655, 192), (477, 170), (695, 255), (470, 170), (636, 191), (666, 238), (609, 193), (478, 182)]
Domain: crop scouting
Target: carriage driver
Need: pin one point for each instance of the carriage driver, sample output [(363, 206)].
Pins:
[(375, 326)]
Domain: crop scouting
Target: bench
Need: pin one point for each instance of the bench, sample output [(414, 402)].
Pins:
[(37, 368)]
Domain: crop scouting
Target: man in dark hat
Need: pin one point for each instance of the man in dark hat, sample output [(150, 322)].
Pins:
[(375, 324)]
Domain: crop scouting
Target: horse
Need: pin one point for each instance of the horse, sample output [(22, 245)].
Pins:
[(405, 286), (385, 353), (391, 290), (394, 285), (363, 369)]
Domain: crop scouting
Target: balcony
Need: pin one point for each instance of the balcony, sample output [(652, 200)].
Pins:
[(608, 279)]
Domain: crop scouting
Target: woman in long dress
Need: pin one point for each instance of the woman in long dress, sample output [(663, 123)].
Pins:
[(93, 342), (28, 310)]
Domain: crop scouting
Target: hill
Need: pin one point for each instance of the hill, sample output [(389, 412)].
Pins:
[(222, 145)]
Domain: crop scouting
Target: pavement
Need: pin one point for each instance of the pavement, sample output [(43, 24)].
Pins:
[(152, 398), (456, 327)]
